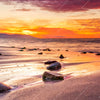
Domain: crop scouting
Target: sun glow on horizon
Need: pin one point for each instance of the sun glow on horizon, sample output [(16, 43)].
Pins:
[(44, 23)]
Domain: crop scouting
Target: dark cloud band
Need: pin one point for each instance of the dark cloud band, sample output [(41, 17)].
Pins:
[(60, 5)]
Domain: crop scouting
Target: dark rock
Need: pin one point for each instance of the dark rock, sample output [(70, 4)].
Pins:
[(32, 49), (50, 62), (4, 88), (46, 49), (0, 54), (23, 48), (90, 52), (98, 54), (13, 47), (54, 66), (83, 52), (49, 76), (61, 56), (40, 53), (58, 50), (66, 50)]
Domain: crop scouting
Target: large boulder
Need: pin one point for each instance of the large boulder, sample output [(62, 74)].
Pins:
[(50, 76), (54, 66), (49, 62), (4, 88)]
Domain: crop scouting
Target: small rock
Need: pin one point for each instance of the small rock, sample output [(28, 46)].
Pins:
[(49, 76), (98, 54), (50, 62), (90, 52), (23, 48), (66, 50), (4, 88), (32, 49), (0, 54), (83, 52), (58, 50), (54, 66), (13, 47), (46, 49), (40, 53), (61, 56)]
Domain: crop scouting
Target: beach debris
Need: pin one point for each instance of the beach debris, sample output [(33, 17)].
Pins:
[(40, 53), (54, 66), (49, 62), (47, 49), (98, 54), (61, 56), (50, 76), (4, 88)]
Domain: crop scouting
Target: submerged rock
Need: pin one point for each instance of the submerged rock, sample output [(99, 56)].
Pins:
[(4, 88), (54, 66), (61, 56), (50, 62), (49, 76)]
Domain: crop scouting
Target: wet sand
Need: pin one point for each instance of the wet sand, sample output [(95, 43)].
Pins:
[(24, 70), (77, 88)]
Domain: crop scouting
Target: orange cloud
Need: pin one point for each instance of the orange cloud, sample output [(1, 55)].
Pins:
[(43, 32)]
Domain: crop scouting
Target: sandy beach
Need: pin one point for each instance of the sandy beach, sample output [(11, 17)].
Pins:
[(22, 70), (82, 85), (80, 88)]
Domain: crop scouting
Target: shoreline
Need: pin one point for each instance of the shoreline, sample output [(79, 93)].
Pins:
[(76, 88), (76, 64)]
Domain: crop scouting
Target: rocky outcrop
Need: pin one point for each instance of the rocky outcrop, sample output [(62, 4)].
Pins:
[(50, 76)]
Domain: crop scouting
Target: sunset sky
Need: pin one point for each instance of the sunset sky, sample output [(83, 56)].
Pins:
[(51, 18)]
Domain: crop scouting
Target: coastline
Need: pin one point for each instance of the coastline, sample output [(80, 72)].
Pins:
[(82, 69), (77, 88)]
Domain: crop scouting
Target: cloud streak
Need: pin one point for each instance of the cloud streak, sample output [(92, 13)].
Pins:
[(59, 5)]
